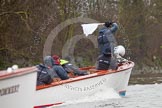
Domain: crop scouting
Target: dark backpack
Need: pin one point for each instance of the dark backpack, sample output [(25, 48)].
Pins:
[(43, 76), (102, 39)]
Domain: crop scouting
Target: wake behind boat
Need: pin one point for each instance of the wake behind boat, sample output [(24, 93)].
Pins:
[(18, 88)]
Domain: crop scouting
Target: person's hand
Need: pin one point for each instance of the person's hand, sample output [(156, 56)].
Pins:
[(108, 23)]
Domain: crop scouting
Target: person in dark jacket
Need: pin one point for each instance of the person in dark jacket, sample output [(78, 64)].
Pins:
[(48, 62), (43, 75), (107, 43), (68, 67), (45, 72), (71, 68), (59, 69), (106, 36), (52, 69)]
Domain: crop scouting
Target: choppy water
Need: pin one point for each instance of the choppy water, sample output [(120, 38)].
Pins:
[(138, 96)]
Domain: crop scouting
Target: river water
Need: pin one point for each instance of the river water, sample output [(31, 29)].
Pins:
[(137, 96)]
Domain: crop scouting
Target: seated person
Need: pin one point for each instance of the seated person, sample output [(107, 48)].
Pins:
[(49, 71), (59, 69), (105, 61), (68, 67), (43, 76), (48, 62), (45, 73)]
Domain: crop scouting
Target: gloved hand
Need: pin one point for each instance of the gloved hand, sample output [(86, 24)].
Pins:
[(108, 23)]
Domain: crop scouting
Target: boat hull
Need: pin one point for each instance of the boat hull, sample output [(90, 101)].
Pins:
[(17, 88)]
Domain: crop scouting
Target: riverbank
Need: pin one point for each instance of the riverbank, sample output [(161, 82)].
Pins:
[(148, 78)]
